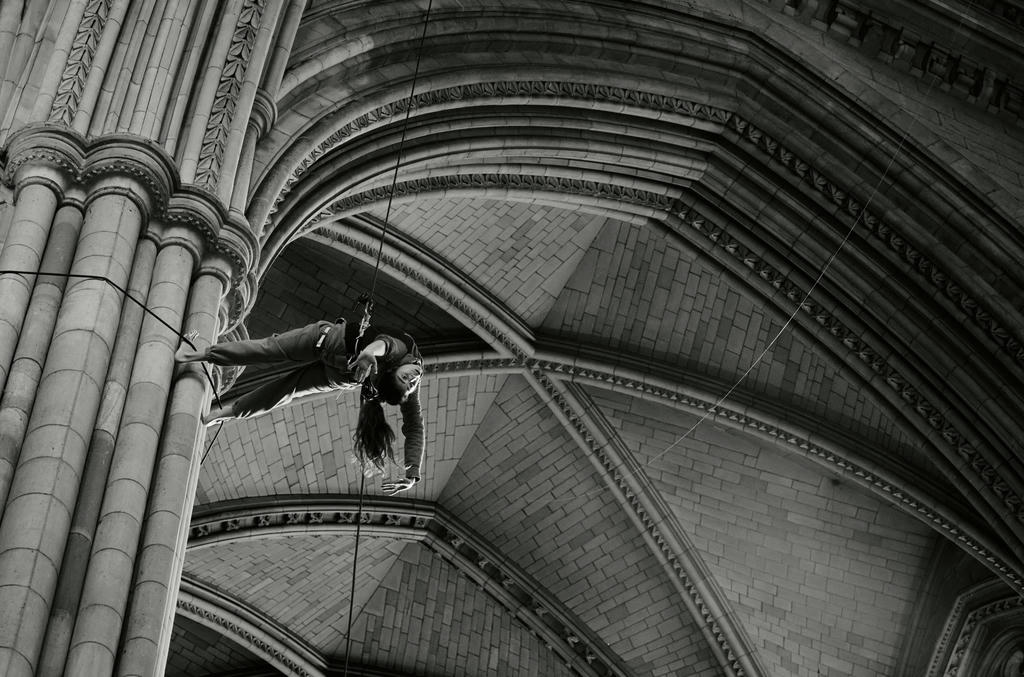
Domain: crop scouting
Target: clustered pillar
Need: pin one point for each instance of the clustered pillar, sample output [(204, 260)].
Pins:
[(98, 431)]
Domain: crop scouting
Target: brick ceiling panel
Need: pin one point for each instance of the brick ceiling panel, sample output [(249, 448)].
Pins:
[(311, 281), (297, 449), (527, 489), (793, 550), (640, 294), (300, 581), (306, 447), (523, 253), (198, 651), (426, 617)]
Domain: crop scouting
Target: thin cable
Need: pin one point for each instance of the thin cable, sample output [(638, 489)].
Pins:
[(828, 264), (355, 561), (147, 310), (401, 147), (915, 121), (368, 308)]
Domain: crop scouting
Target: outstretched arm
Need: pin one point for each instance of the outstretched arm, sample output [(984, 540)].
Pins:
[(415, 444)]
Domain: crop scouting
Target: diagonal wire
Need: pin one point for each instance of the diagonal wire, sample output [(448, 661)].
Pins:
[(817, 281), (124, 292), (368, 306)]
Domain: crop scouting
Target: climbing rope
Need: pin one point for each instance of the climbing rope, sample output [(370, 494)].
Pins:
[(367, 302), (355, 560)]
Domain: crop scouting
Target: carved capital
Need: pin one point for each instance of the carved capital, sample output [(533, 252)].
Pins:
[(44, 155), (133, 166)]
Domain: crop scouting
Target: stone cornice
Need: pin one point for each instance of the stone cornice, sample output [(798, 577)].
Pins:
[(540, 183), (578, 647), (43, 149), (143, 162), (939, 58)]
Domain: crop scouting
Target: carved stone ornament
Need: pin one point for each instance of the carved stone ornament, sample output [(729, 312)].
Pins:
[(511, 588), (901, 249), (83, 49), (938, 57), (142, 171), (222, 113)]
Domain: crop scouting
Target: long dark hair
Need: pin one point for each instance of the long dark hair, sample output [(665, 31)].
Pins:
[(374, 438)]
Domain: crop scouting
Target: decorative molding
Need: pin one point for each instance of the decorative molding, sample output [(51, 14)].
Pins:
[(581, 650), (63, 159), (79, 61), (859, 348), (972, 630), (745, 421), (912, 258), (254, 635), (729, 641), (503, 89), (222, 113), (985, 85), (439, 290), (480, 181)]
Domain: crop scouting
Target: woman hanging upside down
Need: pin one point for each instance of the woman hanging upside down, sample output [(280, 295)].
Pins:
[(322, 364)]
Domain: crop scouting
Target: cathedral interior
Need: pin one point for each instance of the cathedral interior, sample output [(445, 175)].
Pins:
[(721, 308)]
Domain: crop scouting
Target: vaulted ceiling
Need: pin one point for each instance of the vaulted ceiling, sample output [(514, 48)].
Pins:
[(721, 310)]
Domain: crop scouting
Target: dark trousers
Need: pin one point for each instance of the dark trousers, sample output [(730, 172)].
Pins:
[(298, 347)]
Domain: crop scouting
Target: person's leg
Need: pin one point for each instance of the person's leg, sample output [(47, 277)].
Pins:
[(309, 378), (295, 345)]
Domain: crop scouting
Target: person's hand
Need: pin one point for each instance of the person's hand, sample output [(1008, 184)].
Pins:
[(363, 366), (395, 486)]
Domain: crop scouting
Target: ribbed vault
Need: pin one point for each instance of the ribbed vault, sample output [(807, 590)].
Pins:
[(722, 329)]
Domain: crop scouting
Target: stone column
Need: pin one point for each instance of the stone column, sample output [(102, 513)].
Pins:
[(99, 461), (101, 451), (147, 631), (22, 379), (44, 488), (115, 551)]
